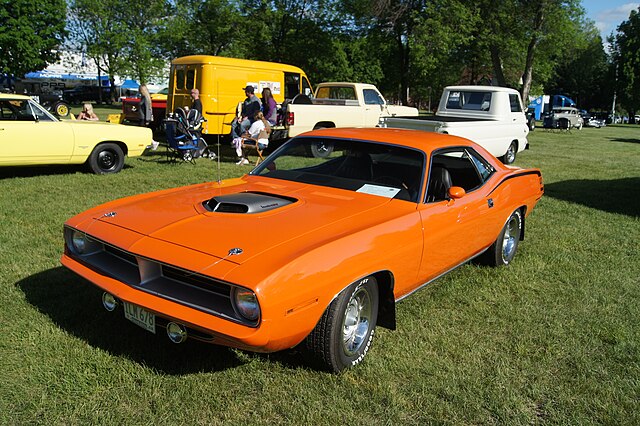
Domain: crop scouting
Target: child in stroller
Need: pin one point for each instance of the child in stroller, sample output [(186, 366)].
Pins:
[(184, 127)]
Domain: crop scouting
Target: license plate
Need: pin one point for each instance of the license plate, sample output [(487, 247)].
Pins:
[(139, 316)]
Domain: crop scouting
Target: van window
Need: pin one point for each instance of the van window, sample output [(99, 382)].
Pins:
[(291, 85), (180, 79), (515, 103), (306, 87), (191, 77)]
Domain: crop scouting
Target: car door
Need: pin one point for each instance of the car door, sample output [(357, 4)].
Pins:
[(457, 229), (30, 135)]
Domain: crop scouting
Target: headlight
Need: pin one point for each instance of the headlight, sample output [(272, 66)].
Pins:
[(246, 303), (80, 243)]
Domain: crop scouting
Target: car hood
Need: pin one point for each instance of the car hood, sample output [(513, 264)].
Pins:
[(300, 215)]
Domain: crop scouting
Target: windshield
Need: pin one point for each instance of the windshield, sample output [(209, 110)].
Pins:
[(375, 168), (23, 110)]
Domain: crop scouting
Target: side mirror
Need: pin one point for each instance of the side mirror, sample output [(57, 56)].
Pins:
[(456, 192)]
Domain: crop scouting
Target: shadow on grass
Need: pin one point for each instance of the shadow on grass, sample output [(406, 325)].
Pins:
[(10, 172), (75, 305), (626, 140), (613, 196)]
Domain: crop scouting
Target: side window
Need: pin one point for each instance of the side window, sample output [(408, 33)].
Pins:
[(306, 87), (515, 103), (7, 111), (180, 79), (456, 167), (371, 97), (485, 170), (291, 85), (191, 78)]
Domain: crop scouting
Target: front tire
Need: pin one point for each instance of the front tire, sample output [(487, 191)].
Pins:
[(510, 156), (106, 158), (503, 250), (345, 331)]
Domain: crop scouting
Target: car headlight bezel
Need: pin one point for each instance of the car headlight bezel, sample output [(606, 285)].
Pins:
[(81, 244), (245, 303)]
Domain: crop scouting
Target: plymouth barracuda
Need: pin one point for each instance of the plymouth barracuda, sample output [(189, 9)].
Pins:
[(30, 135), (304, 251)]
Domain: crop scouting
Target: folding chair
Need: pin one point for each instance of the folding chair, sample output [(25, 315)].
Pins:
[(249, 144)]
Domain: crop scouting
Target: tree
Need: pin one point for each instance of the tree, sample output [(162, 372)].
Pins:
[(97, 30), (30, 34), (626, 57), (416, 39), (523, 37)]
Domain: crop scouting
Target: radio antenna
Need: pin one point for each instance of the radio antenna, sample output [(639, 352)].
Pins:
[(218, 131)]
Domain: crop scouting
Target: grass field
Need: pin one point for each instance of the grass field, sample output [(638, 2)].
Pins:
[(552, 339)]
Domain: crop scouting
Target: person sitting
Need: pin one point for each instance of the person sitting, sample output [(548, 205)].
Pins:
[(87, 113), (256, 135), (250, 106), (269, 105)]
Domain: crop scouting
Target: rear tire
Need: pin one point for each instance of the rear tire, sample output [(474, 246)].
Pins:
[(503, 250), (345, 331)]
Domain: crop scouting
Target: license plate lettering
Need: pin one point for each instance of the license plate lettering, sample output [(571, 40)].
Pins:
[(140, 317)]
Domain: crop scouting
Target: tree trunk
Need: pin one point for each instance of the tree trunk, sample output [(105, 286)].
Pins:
[(527, 75), (497, 65)]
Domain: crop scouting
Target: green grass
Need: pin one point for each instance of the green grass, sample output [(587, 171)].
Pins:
[(552, 339)]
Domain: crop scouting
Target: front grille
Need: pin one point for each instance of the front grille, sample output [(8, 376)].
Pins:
[(167, 281)]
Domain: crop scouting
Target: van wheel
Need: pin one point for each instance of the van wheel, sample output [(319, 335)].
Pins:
[(510, 156)]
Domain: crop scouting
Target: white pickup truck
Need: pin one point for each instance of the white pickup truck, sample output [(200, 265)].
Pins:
[(340, 105), (491, 116)]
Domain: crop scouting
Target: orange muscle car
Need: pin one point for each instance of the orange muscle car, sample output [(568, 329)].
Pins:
[(306, 250)]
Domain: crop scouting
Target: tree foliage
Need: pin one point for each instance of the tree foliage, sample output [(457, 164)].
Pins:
[(30, 34), (626, 57), (411, 49)]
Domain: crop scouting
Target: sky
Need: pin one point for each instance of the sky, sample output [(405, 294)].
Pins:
[(608, 14)]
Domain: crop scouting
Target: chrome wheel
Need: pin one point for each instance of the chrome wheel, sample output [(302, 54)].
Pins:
[(511, 237), (510, 155), (356, 322)]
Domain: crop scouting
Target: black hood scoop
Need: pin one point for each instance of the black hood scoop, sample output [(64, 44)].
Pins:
[(246, 203)]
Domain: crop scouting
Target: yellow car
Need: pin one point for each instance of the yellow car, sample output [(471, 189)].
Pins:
[(30, 135)]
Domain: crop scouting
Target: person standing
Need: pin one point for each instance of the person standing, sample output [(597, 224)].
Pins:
[(270, 107), (145, 113), (197, 103)]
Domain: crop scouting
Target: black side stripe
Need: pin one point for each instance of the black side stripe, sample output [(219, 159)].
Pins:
[(531, 172)]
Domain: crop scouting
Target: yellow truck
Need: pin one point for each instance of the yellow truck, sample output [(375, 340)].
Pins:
[(221, 82)]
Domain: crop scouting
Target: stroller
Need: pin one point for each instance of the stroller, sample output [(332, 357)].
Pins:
[(184, 135)]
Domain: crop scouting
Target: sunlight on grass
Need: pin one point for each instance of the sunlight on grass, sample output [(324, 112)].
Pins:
[(553, 338)]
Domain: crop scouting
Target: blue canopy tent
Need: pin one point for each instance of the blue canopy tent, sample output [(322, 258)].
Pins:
[(130, 85)]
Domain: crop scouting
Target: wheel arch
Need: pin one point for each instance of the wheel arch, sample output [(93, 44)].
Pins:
[(387, 302), (123, 146), (324, 125)]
